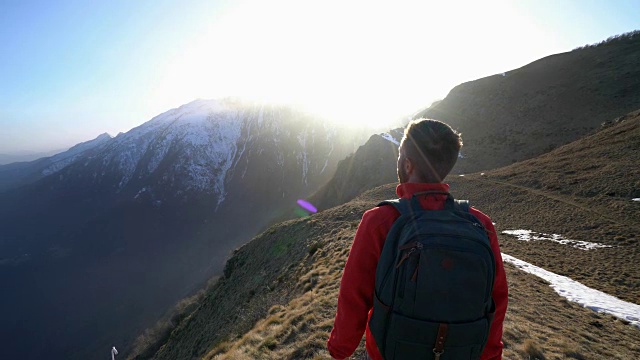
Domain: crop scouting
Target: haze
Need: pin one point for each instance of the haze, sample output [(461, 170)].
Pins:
[(71, 70)]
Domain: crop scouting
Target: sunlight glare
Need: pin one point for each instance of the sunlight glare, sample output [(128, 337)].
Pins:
[(356, 62)]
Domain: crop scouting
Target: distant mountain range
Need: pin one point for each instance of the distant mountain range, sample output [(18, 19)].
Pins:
[(94, 233), (25, 156), (22, 173)]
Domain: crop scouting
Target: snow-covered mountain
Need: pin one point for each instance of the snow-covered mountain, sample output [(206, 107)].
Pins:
[(150, 213), (203, 146)]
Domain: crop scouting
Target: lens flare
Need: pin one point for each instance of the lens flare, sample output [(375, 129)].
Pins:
[(307, 206)]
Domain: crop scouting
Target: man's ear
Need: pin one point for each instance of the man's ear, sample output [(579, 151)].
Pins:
[(408, 167)]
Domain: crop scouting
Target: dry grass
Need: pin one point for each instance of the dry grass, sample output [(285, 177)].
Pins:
[(299, 328), (152, 339)]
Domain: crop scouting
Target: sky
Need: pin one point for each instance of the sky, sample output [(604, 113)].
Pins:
[(71, 70)]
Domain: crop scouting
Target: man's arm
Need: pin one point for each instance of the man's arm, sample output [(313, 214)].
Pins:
[(493, 349), (357, 285)]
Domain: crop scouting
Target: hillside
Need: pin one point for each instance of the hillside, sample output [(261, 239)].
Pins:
[(583, 191), (528, 111), (278, 294)]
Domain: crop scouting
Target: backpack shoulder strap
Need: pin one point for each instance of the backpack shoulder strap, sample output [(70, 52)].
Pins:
[(462, 205), (405, 206), (402, 205)]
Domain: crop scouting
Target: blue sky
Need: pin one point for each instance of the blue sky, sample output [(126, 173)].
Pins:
[(71, 70)]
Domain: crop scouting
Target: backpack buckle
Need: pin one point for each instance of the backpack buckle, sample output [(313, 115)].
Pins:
[(437, 354)]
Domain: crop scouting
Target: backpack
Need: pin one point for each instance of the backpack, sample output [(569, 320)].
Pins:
[(434, 282)]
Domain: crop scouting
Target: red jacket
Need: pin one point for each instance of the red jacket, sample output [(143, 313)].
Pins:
[(355, 301)]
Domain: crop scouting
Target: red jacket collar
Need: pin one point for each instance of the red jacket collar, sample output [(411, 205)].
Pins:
[(406, 190)]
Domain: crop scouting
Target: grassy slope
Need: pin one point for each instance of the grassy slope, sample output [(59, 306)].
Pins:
[(292, 308), (583, 191)]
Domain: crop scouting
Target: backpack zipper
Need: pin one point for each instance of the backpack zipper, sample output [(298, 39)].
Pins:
[(408, 254), (412, 247)]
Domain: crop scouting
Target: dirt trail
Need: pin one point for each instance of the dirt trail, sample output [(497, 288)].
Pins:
[(561, 198)]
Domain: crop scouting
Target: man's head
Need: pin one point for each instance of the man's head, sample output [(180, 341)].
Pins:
[(428, 151)]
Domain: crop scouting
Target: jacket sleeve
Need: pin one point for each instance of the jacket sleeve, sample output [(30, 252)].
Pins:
[(493, 349), (357, 286)]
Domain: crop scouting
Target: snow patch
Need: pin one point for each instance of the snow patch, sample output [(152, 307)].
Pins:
[(528, 235), (388, 136), (261, 115), (303, 157), (581, 294), (62, 160), (140, 192), (326, 161), (59, 165)]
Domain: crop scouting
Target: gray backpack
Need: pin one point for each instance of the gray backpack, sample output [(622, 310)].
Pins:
[(433, 284)]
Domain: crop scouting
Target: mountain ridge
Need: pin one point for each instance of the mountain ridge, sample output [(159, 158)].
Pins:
[(550, 102)]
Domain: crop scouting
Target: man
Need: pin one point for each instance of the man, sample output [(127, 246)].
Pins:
[(428, 152)]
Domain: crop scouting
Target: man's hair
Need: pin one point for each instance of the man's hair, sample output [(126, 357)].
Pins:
[(433, 148)]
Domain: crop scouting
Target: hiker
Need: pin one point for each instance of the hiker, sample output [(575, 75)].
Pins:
[(428, 152)]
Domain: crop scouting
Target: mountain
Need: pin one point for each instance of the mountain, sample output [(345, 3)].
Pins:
[(365, 169), (528, 111), (100, 241), (277, 297), (22, 173)]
